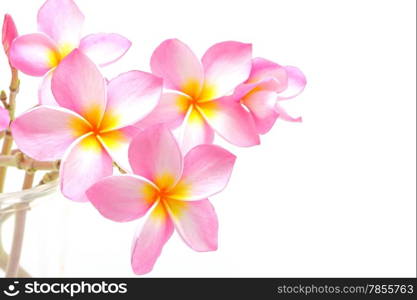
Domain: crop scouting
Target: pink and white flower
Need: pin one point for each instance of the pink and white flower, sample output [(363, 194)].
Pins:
[(269, 84), (198, 92), (174, 189), (91, 127), (60, 23)]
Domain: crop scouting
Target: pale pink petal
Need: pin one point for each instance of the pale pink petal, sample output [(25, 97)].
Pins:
[(282, 114), (104, 48), (264, 69), (262, 107), (122, 198), (226, 65), (231, 121), (155, 155), (207, 169), (82, 166), (45, 91), (4, 118), (34, 54), (196, 222), (296, 83), (148, 243), (195, 131), (45, 133), (178, 66), (131, 96), (78, 85), (170, 111), (117, 144), (269, 84), (9, 33), (62, 20)]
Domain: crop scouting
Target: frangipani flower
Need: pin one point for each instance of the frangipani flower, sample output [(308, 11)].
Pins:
[(267, 85), (91, 127), (4, 119), (9, 33), (199, 92), (60, 23), (174, 189)]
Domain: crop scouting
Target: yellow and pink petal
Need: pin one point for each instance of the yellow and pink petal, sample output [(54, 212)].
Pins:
[(149, 241), (122, 198), (207, 170), (45, 133)]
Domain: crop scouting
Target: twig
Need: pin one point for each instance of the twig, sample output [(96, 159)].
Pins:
[(19, 230)]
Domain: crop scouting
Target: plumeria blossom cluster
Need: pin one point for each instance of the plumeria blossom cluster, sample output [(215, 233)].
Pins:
[(156, 128)]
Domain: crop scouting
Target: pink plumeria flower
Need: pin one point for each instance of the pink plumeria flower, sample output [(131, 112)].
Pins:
[(60, 23), (174, 189), (4, 119), (198, 92), (91, 126), (9, 33), (269, 84)]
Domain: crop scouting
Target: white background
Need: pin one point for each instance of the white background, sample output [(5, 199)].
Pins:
[(332, 196)]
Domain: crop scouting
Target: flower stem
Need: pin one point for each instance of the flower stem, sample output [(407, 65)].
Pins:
[(19, 230)]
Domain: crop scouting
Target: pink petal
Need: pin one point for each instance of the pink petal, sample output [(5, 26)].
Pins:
[(78, 85), (196, 222), (4, 118), (230, 120), (264, 69), (45, 133), (155, 155), (122, 198), (62, 20), (282, 114), (131, 96), (104, 48), (148, 244), (34, 54), (170, 111), (296, 83), (262, 106), (178, 66), (195, 131), (45, 91), (207, 170), (117, 144), (226, 65), (82, 166), (9, 33)]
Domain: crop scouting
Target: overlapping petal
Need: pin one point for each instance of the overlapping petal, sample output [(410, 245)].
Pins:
[(87, 156), (104, 48), (178, 66), (34, 54), (263, 69), (170, 111), (226, 65), (196, 222), (296, 83), (45, 91), (195, 131), (61, 20), (44, 133), (122, 198), (155, 155), (78, 85), (231, 121), (262, 107), (131, 96), (148, 243), (207, 169)]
